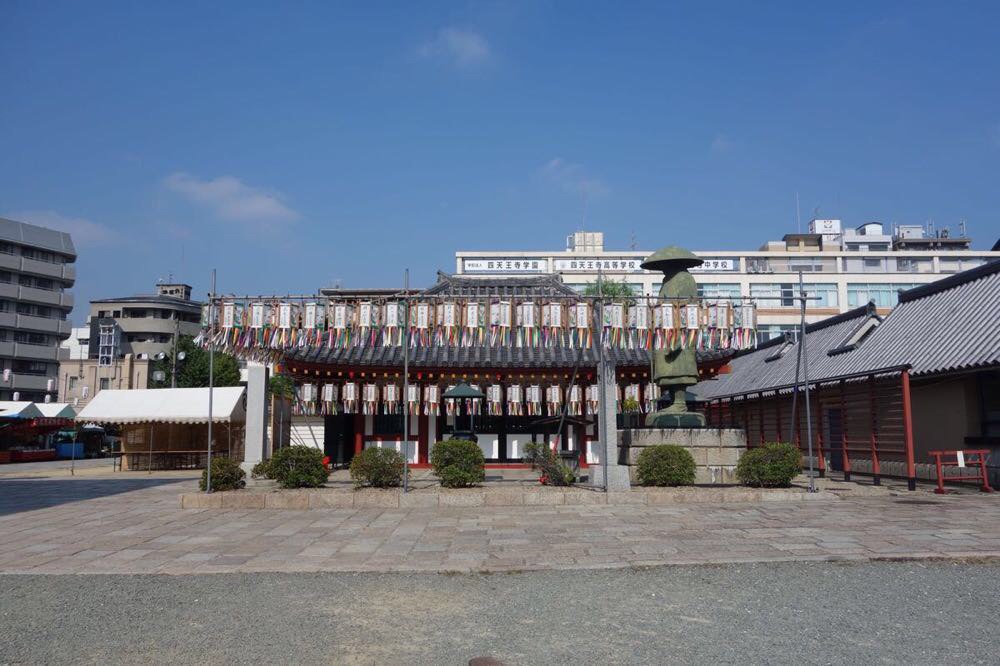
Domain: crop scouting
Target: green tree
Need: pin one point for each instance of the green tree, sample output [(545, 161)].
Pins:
[(281, 386), (192, 372), (609, 288)]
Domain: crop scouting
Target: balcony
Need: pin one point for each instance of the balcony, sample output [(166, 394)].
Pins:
[(7, 349), (23, 382), (30, 323), (8, 290), (10, 261), (45, 296), (35, 352), (42, 268), (146, 325), (8, 320), (69, 272)]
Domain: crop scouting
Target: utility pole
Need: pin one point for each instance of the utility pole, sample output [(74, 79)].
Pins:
[(406, 381), (211, 382)]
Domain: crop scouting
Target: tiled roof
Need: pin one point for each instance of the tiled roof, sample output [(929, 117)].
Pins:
[(542, 285), (476, 357), (945, 326)]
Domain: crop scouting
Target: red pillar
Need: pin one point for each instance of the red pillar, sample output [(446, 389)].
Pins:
[(423, 435), (911, 468), (359, 433), (843, 433)]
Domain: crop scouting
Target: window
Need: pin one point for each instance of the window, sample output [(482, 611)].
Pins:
[(770, 331), (859, 335), (781, 349), (6, 277), (785, 295), (71, 383), (30, 367), (914, 265), (6, 248), (710, 291), (41, 255), (884, 295), (105, 383), (28, 338)]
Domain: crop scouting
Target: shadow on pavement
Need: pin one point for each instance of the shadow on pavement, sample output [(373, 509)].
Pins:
[(20, 494)]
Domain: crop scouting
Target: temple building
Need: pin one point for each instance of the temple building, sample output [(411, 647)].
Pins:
[(530, 344)]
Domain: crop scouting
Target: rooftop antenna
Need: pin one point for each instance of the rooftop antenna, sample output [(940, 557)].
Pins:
[(798, 214), (961, 228), (632, 245)]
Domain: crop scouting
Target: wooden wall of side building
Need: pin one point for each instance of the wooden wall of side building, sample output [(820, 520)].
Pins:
[(183, 443)]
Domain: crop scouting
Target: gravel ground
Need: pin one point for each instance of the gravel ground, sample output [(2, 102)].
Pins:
[(823, 613)]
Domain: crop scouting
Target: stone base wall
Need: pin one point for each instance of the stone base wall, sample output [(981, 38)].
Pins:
[(715, 450)]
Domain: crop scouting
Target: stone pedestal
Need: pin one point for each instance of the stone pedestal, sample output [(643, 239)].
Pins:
[(255, 444), (716, 451), (606, 445)]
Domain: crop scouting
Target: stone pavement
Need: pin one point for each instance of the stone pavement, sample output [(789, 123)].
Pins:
[(132, 523)]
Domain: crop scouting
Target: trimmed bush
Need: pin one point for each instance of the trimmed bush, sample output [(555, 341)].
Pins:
[(665, 465), (773, 465), (458, 463), (226, 475), (554, 472), (261, 470), (377, 467), (297, 467)]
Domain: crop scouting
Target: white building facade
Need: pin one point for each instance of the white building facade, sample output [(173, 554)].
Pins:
[(842, 269)]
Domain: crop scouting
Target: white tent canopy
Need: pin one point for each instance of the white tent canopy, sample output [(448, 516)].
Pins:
[(56, 410), (19, 410), (183, 405)]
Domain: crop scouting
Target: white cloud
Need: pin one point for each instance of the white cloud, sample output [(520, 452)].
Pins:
[(231, 199), (85, 233), (572, 178), (465, 49), (721, 144)]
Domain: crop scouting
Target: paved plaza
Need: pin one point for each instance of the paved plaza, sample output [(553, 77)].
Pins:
[(132, 523)]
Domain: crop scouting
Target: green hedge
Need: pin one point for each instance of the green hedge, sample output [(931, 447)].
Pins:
[(377, 467), (226, 475), (295, 467), (773, 465), (458, 463), (665, 465)]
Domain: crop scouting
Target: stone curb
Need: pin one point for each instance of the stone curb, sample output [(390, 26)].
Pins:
[(394, 499)]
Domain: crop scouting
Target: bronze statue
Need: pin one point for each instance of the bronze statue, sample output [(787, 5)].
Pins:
[(675, 369)]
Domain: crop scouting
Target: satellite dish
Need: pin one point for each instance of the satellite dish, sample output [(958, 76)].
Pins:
[(181, 356), (160, 356)]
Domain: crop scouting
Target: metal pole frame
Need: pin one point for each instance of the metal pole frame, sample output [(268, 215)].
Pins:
[(805, 380), (211, 382), (406, 381)]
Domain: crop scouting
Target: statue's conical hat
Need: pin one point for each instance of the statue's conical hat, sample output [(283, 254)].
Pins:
[(671, 258)]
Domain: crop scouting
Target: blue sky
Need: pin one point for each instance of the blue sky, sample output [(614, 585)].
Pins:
[(290, 147)]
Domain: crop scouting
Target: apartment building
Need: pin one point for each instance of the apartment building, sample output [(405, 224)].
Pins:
[(123, 335), (36, 273), (842, 268)]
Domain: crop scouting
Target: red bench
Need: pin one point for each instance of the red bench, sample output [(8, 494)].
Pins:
[(962, 459)]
